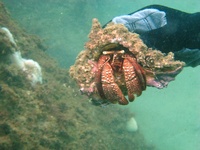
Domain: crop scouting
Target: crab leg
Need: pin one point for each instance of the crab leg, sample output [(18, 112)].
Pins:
[(139, 71), (111, 90), (134, 77), (101, 62)]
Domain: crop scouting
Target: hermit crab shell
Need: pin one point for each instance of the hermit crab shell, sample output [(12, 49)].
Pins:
[(160, 68)]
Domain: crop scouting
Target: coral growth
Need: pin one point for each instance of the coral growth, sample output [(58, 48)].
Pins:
[(29, 67), (159, 68)]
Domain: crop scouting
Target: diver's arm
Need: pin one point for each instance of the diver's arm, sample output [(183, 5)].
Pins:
[(168, 30)]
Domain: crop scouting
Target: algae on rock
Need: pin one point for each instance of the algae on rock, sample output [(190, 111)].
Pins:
[(53, 115)]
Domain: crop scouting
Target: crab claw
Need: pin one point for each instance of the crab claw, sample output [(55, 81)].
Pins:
[(111, 90), (134, 77)]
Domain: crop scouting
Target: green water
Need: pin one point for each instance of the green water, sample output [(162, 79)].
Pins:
[(168, 118)]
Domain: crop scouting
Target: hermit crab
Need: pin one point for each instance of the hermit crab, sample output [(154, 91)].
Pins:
[(116, 63)]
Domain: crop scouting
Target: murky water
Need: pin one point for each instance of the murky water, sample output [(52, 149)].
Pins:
[(168, 118)]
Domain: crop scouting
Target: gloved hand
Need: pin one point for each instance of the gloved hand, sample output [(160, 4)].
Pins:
[(168, 30), (190, 56), (143, 20)]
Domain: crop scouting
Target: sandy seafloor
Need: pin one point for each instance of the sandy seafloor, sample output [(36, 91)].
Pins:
[(168, 118)]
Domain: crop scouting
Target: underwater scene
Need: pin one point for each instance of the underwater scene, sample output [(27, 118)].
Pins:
[(99, 74)]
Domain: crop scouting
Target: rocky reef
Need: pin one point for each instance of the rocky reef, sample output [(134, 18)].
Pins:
[(53, 115)]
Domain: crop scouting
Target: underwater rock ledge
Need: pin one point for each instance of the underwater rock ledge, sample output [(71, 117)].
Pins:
[(53, 115)]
